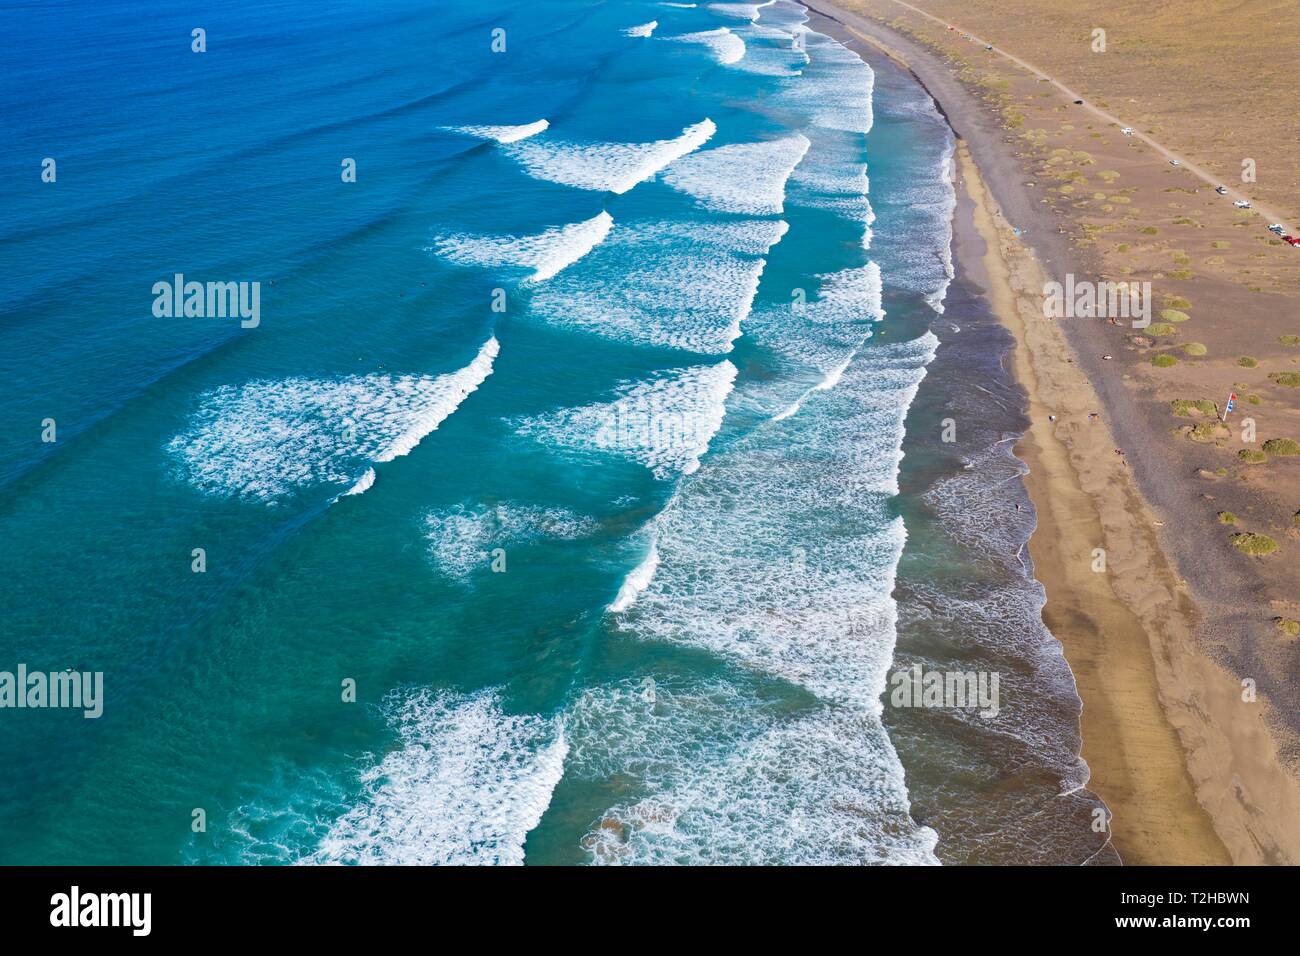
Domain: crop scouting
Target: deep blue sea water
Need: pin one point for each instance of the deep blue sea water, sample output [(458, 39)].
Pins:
[(569, 434)]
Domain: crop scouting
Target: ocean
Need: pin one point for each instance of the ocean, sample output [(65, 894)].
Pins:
[(577, 485)]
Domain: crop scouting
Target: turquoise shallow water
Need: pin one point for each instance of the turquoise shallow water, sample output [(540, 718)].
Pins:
[(573, 445)]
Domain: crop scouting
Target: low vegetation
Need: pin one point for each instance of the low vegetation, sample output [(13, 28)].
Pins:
[(1192, 407), (1285, 447), (1164, 360), (1247, 361), (1195, 348), (1252, 456), (1247, 542)]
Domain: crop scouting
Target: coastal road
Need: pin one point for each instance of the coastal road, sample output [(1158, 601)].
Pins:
[(1271, 215)]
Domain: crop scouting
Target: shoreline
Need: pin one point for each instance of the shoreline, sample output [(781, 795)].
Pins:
[(1187, 779)]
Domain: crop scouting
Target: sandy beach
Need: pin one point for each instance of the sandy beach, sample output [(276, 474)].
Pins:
[(1169, 635)]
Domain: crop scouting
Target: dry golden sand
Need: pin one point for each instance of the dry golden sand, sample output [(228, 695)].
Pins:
[(1160, 643)]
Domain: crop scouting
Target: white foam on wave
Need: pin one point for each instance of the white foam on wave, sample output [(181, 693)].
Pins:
[(265, 439), (835, 90), (504, 134), (637, 579), (461, 540), (725, 46), (607, 167), (682, 285), (664, 423), (823, 338), (784, 15), (919, 245), (546, 253), (363, 484), (781, 555), (465, 787), (780, 558), (833, 176), (949, 204), (742, 11), (746, 178), (771, 51), (644, 30), (724, 777)]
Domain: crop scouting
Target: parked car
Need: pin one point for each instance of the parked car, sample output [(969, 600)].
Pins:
[(1174, 162), (1221, 190), (1291, 240), (1242, 204), (1277, 229), (1127, 131), (1078, 102)]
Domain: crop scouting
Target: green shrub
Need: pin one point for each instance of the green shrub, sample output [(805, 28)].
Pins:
[(1176, 302), (1174, 315), (1286, 447), (1252, 456), (1208, 431), (1164, 360), (1247, 361), (1257, 544), (1227, 517), (1289, 379), (1149, 230), (1162, 329), (1289, 339), (1191, 407), (1287, 626), (1195, 348)]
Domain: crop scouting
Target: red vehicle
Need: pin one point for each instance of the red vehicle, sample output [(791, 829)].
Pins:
[(1292, 240)]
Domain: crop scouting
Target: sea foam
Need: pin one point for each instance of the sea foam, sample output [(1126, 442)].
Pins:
[(608, 167), (466, 785), (723, 776), (546, 253), (664, 423), (504, 134), (461, 539), (265, 439), (725, 46), (683, 285), (747, 178)]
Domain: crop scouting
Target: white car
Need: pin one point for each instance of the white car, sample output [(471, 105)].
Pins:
[(1174, 162), (1221, 190), (1277, 229), (1242, 204), (1127, 131)]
